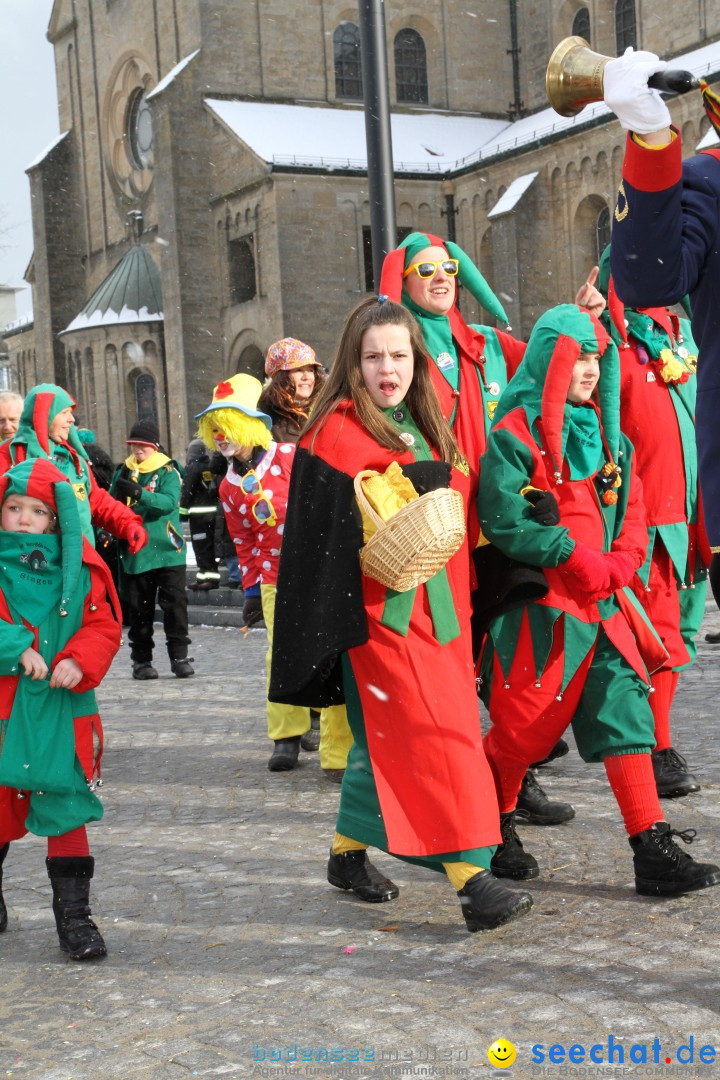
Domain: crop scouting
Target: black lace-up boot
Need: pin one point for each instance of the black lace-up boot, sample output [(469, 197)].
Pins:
[(487, 904), (672, 778), (534, 807), (510, 860), (664, 869), (353, 870)]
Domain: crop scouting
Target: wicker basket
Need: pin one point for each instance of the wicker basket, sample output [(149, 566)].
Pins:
[(416, 542)]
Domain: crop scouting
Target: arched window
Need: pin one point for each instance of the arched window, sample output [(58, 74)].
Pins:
[(242, 270), (411, 67), (581, 24), (252, 362), (146, 398), (625, 26), (602, 231), (346, 52)]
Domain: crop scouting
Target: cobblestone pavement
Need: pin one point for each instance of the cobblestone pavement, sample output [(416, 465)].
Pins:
[(227, 945)]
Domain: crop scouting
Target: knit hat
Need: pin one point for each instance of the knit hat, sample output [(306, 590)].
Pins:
[(86, 436), (397, 261), (145, 432), (40, 479), (288, 355), (32, 438)]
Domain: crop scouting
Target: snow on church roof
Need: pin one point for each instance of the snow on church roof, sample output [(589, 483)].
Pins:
[(131, 293), (334, 138), (327, 138)]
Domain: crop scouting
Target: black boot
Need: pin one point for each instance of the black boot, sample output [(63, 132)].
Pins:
[(3, 910), (560, 749), (672, 778), (70, 879), (143, 669), (510, 860), (487, 904), (182, 668), (353, 870), (664, 869), (285, 755), (311, 739), (534, 807), (179, 662)]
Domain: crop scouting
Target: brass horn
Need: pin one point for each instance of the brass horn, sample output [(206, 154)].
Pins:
[(574, 77)]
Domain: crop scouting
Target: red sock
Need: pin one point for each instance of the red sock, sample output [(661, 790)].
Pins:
[(69, 844), (664, 684), (633, 782)]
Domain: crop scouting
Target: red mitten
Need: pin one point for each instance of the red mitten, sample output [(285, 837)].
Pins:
[(594, 575), (137, 538), (622, 569), (587, 570)]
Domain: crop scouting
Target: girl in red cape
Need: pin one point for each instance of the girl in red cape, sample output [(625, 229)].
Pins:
[(417, 783)]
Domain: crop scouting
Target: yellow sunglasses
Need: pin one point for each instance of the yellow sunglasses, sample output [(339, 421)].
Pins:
[(427, 270)]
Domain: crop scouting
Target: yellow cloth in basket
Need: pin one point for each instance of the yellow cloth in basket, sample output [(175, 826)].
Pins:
[(387, 493)]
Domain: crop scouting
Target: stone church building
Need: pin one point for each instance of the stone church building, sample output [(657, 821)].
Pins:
[(208, 193)]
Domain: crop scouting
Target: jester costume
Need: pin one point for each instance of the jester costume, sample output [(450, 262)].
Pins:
[(57, 598), (152, 488), (666, 244), (657, 408), (582, 653), (32, 440)]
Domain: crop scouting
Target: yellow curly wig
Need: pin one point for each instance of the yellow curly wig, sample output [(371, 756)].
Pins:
[(236, 426)]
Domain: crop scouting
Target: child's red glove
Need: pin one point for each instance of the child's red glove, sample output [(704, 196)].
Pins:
[(593, 575), (137, 538)]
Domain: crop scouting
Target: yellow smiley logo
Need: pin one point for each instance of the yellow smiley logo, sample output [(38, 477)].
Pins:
[(501, 1054)]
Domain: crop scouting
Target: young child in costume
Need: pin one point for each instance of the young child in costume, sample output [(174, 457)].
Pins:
[(417, 783), (657, 412), (294, 378), (581, 653), (47, 430), (149, 481), (253, 494), (58, 636)]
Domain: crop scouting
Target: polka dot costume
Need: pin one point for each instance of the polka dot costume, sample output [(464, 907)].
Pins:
[(256, 520)]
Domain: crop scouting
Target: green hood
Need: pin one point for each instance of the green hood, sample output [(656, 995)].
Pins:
[(42, 405), (541, 383)]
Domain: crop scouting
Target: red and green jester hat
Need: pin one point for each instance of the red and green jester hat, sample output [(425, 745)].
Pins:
[(471, 364), (32, 440), (57, 597), (540, 440)]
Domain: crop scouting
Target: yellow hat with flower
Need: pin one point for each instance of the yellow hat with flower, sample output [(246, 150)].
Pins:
[(233, 411)]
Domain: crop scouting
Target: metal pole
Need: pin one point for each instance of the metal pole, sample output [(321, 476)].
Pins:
[(376, 94)]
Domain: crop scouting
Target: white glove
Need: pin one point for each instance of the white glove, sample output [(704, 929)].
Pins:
[(626, 92)]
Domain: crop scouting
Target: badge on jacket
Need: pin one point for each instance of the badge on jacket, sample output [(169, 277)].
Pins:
[(80, 492)]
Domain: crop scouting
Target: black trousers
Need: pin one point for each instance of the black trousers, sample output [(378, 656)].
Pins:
[(202, 536), (166, 584)]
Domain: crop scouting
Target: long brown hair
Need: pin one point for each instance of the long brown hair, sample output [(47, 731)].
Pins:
[(345, 383), (278, 398)]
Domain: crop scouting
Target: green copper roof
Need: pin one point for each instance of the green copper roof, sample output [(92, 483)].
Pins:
[(131, 293)]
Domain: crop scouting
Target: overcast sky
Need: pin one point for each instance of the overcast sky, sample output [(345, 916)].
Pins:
[(28, 124)]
